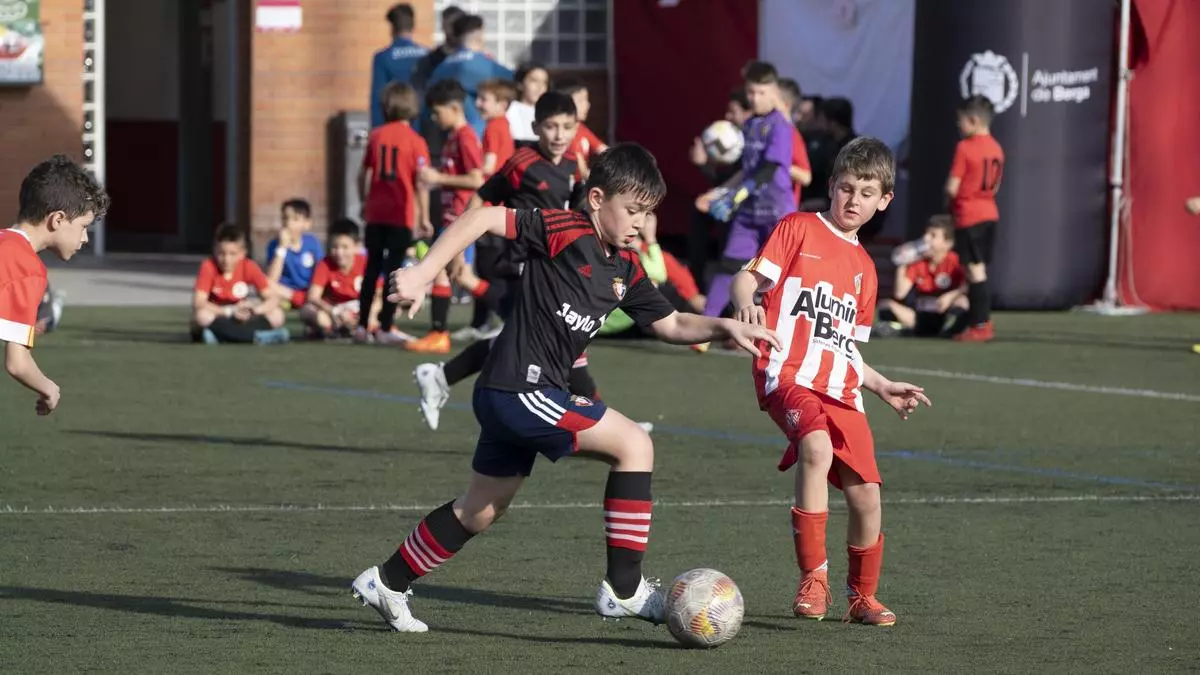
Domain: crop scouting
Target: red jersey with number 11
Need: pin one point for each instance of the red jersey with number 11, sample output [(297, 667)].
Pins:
[(395, 153)]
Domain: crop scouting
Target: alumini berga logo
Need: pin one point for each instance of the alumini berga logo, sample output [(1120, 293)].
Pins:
[(990, 74)]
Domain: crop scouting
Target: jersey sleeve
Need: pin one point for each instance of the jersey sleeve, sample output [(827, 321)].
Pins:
[(527, 227), (779, 251), (493, 138), (644, 303), (866, 303), (320, 275), (256, 278), (502, 185), (208, 275), (470, 153), (958, 167), (19, 300)]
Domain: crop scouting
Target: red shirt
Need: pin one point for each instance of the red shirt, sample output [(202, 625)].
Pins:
[(340, 286), (460, 155), (229, 290), (395, 153), (930, 279), (799, 159), (979, 166), (586, 144), (22, 285), (498, 140), (820, 300)]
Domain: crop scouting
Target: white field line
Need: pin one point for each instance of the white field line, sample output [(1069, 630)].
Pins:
[(8, 510)]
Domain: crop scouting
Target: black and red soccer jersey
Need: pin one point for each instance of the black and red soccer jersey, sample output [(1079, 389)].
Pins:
[(529, 180), (568, 288)]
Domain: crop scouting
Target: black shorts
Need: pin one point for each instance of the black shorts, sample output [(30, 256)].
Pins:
[(974, 244), (929, 322)]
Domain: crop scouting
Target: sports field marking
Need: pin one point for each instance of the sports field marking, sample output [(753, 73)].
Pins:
[(9, 510), (777, 442), (1022, 381)]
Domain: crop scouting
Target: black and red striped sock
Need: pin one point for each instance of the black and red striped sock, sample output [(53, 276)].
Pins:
[(439, 306), (431, 544), (627, 505)]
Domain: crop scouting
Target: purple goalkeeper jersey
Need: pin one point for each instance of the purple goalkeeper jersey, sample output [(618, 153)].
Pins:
[(768, 139)]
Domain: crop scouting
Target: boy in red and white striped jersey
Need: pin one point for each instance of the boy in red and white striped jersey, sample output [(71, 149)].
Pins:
[(818, 290)]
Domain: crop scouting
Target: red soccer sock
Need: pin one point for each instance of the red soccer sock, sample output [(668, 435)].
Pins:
[(481, 288), (808, 535), (865, 566)]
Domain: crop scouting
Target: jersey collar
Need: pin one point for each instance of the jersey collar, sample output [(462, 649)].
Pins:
[(21, 232), (850, 239)]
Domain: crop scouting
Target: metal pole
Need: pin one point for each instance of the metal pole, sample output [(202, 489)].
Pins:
[(94, 146), (233, 91), (1117, 177)]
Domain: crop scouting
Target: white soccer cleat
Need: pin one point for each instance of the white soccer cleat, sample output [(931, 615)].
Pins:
[(392, 606), (465, 334), (435, 392), (647, 604)]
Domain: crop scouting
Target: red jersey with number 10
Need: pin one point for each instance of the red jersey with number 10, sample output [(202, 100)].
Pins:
[(978, 165), (819, 297)]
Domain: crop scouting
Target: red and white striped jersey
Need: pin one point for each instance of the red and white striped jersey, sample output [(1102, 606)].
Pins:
[(22, 285), (819, 291)]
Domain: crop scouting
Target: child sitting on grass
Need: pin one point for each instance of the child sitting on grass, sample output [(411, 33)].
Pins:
[(222, 310)]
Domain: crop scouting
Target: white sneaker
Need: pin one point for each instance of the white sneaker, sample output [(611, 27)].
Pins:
[(648, 603), (648, 426), (465, 334), (491, 333), (435, 392), (392, 606)]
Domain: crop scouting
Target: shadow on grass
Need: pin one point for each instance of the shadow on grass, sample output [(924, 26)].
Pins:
[(250, 441), (141, 335), (170, 607)]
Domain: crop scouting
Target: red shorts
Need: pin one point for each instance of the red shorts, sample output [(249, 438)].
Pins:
[(799, 411), (298, 299)]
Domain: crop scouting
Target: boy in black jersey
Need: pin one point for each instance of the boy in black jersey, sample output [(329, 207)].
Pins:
[(579, 269), (544, 176)]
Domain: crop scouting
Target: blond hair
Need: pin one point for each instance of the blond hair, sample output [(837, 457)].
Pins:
[(866, 158)]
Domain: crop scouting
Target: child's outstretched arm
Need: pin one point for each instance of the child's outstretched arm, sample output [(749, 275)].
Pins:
[(679, 328), (408, 284), (18, 361), (901, 396)]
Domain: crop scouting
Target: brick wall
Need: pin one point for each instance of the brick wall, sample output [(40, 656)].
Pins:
[(41, 120), (301, 80)]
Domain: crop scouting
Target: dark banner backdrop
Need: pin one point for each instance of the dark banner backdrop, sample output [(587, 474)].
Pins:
[(1048, 68)]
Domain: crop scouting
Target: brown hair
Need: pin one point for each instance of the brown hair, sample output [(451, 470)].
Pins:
[(942, 223), (867, 158), (505, 91), (399, 101), (979, 107)]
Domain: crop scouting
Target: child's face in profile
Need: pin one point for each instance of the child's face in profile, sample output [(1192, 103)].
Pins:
[(229, 254), (621, 218), (342, 250), (490, 107), (446, 116), (555, 134), (69, 235), (583, 104), (295, 221)]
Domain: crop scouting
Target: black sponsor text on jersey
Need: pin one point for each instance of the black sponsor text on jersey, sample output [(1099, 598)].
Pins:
[(568, 288)]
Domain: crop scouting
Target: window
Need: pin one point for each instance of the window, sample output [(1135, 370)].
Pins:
[(558, 33)]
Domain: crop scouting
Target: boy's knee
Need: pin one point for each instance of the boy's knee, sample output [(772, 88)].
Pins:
[(816, 451), (478, 518), (864, 498), (276, 318), (203, 318)]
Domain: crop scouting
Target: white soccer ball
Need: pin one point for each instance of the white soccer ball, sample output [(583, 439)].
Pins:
[(704, 608), (723, 141)]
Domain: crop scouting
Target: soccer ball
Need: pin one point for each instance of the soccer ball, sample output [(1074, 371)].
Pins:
[(723, 142), (704, 608)]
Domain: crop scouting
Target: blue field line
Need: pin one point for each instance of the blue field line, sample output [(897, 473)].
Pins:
[(778, 442)]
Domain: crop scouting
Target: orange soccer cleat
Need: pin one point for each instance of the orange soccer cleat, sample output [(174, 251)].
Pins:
[(812, 598), (436, 342), (981, 333), (865, 609)]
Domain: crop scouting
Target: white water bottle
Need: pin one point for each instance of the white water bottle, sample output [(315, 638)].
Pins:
[(909, 252)]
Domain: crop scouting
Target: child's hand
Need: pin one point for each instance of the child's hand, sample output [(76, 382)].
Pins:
[(286, 238), (243, 313), (745, 335), (944, 302), (903, 397), (704, 200), (423, 230), (649, 231), (752, 314), (48, 401), (699, 155), (407, 286), (1193, 205)]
